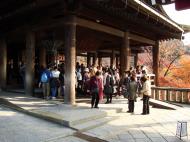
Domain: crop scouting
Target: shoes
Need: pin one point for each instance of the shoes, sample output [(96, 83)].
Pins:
[(106, 102), (143, 113), (53, 98), (96, 107), (129, 111)]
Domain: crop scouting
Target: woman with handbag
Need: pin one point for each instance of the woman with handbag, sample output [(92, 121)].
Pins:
[(95, 84), (108, 87)]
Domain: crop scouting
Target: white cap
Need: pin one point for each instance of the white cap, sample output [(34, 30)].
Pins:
[(86, 70)]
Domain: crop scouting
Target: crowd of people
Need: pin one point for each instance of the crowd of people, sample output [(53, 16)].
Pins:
[(98, 82)]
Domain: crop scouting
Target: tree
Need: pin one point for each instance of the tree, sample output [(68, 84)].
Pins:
[(181, 73), (170, 52)]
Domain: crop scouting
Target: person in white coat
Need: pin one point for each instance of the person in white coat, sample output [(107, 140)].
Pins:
[(146, 91)]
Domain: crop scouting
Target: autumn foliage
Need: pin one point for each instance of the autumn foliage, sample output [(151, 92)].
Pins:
[(174, 64)]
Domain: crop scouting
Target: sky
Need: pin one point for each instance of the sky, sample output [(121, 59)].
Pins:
[(181, 17)]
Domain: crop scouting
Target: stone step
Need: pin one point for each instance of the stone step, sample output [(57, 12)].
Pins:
[(87, 119), (93, 123), (99, 113)]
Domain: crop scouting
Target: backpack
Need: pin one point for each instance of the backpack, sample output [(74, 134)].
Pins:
[(44, 77)]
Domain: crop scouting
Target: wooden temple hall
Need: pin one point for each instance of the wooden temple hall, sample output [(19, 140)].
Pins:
[(119, 29)]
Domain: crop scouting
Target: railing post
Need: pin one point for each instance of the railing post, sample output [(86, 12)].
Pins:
[(188, 97), (159, 94), (170, 95), (156, 94), (181, 96), (153, 91), (184, 96), (176, 96), (165, 98)]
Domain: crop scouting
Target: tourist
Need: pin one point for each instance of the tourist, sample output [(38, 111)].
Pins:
[(146, 91), (108, 87), (45, 77), (95, 83), (54, 83), (132, 93)]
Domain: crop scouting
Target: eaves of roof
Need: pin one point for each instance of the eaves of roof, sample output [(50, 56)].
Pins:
[(153, 13)]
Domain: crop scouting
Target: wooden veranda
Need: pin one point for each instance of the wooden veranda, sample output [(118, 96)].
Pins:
[(99, 28)]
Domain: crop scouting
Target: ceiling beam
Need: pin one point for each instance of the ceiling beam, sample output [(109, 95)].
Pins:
[(110, 30)]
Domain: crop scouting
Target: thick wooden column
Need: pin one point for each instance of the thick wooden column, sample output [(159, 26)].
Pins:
[(125, 54), (42, 57), (113, 59), (3, 64), (70, 59), (30, 61), (156, 62)]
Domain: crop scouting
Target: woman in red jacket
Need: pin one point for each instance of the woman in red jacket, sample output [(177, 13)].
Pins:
[(95, 89)]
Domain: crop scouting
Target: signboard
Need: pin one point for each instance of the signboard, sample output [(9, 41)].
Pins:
[(181, 129)]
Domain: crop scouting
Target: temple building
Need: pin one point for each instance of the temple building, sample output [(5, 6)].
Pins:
[(35, 31)]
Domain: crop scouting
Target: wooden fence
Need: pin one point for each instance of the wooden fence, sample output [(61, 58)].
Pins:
[(181, 95)]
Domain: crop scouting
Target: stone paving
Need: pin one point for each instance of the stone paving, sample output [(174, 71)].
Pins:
[(159, 126), (18, 127)]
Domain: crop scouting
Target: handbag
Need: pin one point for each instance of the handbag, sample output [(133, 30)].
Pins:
[(95, 91)]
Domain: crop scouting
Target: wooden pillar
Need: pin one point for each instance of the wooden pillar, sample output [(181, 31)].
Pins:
[(136, 59), (42, 57), (117, 62), (125, 54), (95, 59), (113, 59), (3, 64), (99, 61), (30, 61), (88, 60), (70, 59), (156, 62)]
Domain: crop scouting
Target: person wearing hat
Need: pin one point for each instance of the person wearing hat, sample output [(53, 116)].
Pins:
[(146, 91), (86, 81)]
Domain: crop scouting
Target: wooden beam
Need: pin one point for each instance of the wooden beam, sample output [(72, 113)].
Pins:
[(110, 30), (141, 39), (99, 27)]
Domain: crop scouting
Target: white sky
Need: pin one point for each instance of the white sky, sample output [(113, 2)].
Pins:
[(181, 17)]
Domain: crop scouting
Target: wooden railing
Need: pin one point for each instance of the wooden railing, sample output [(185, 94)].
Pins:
[(181, 95)]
